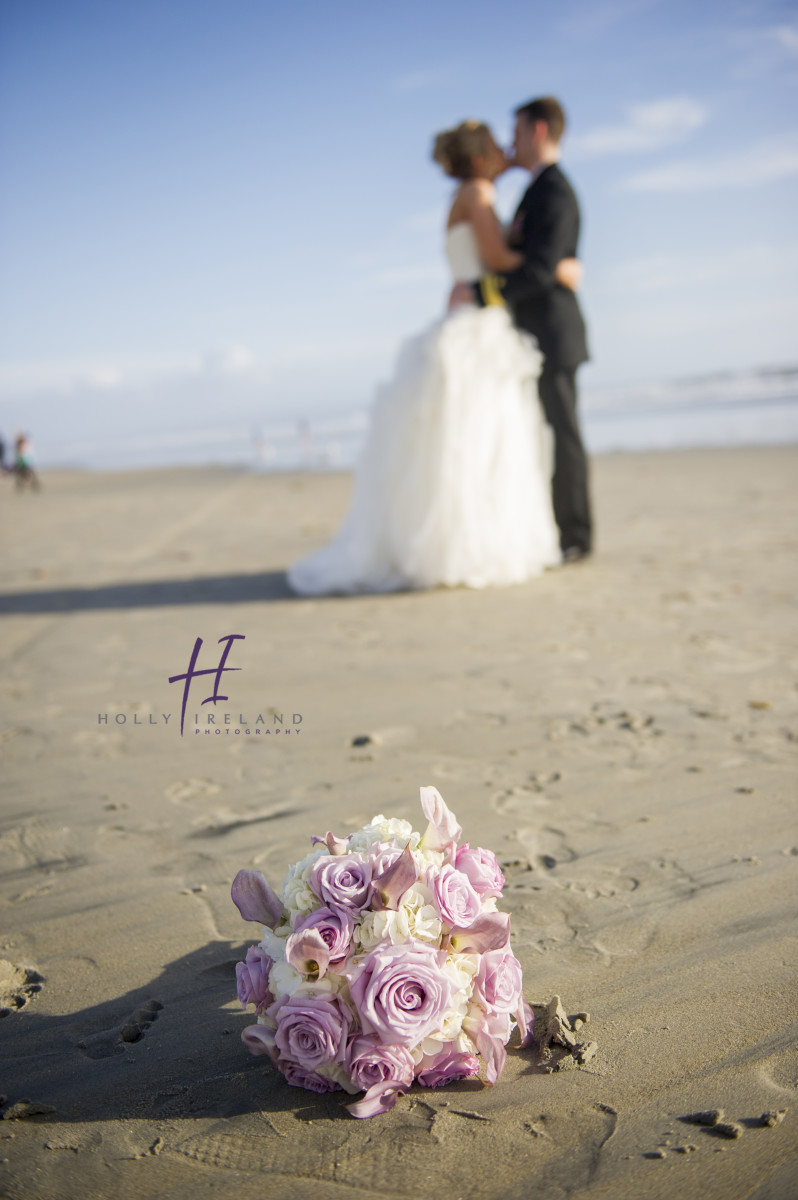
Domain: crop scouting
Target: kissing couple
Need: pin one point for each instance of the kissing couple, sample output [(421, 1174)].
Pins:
[(455, 486)]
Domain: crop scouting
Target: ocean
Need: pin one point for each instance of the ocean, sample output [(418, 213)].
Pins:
[(729, 409)]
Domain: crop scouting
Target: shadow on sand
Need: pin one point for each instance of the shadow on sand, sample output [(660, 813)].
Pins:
[(264, 587), (169, 1050)]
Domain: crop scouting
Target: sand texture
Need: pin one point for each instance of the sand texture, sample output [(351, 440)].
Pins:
[(622, 733)]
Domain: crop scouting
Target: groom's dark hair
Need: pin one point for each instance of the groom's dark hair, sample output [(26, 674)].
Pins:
[(547, 109)]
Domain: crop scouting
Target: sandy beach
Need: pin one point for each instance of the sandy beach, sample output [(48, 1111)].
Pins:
[(622, 733)]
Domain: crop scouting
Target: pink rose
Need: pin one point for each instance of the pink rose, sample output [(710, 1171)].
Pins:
[(342, 880), (401, 993), (311, 1030), (482, 868), (446, 1067), (252, 978), (454, 897), (498, 982)]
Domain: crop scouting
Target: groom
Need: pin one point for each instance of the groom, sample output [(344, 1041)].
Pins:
[(546, 229)]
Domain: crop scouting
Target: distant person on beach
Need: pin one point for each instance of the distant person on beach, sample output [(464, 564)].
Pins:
[(452, 487), (24, 464), (545, 230)]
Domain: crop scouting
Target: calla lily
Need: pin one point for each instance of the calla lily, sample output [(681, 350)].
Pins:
[(526, 1022), (334, 845), (392, 884), (380, 1098), (491, 931), (443, 828), (255, 899), (493, 1054), (308, 952), (259, 1039)]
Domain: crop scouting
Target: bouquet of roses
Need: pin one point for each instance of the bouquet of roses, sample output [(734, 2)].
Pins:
[(384, 960)]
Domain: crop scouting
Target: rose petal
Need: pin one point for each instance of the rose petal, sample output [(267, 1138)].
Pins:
[(491, 931), (255, 899), (394, 882), (308, 952), (380, 1098), (442, 829)]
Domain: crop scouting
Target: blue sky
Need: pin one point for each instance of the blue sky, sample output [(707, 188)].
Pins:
[(228, 205)]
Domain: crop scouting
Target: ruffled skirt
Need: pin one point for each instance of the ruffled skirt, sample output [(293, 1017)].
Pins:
[(453, 486)]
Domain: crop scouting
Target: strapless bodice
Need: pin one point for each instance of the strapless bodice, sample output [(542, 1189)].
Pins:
[(462, 253)]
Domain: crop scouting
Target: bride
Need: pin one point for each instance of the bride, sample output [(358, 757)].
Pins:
[(453, 487)]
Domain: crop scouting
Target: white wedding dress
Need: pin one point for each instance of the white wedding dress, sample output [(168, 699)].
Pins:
[(453, 487)]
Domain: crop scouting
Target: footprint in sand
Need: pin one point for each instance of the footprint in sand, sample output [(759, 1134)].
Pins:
[(113, 1041), (546, 847), (18, 985), (184, 790)]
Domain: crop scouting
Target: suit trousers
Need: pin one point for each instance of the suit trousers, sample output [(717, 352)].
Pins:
[(570, 497)]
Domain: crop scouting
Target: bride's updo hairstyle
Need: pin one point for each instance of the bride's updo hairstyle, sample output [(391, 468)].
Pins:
[(455, 149)]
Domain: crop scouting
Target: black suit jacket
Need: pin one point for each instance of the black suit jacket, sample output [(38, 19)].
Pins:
[(546, 229)]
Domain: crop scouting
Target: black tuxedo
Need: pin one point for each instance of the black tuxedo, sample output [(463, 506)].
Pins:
[(546, 229)]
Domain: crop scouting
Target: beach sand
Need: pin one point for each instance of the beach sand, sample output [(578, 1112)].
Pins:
[(622, 733)]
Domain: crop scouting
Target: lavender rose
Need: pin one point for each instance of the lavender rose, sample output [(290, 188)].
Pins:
[(252, 978), (498, 982), (384, 1071), (300, 1077), (454, 897), (370, 1061), (342, 881), (448, 1066), (335, 925), (311, 1030), (401, 993), (482, 868)]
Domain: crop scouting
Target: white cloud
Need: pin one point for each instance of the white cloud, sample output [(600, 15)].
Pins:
[(666, 272), (770, 160), (647, 127), (592, 19), (764, 51)]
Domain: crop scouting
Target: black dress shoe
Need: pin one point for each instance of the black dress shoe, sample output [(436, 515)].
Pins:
[(572, 554)]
